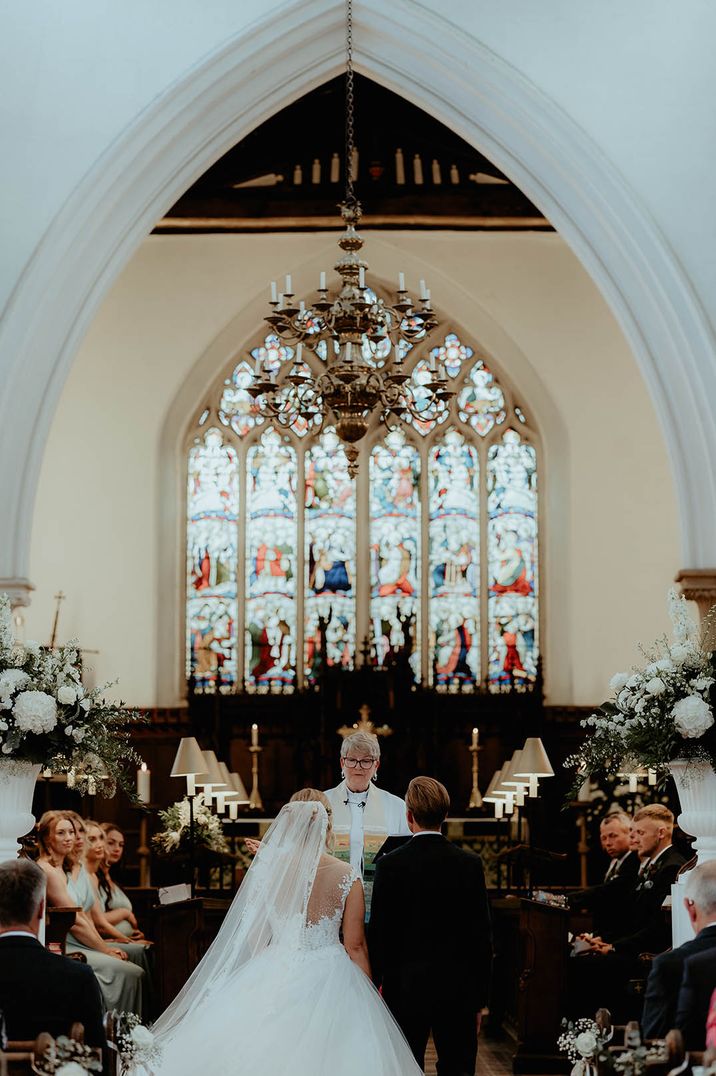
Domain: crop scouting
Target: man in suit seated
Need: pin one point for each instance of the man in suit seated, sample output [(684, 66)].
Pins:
[(600, 975), (429, 935), (40, 991), (605, 900), (697, 986), (662, 988)]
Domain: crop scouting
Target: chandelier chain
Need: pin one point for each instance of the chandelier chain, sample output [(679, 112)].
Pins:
[(350, 105)]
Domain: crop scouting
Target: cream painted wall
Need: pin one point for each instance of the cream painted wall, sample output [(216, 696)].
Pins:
[(111, 476)]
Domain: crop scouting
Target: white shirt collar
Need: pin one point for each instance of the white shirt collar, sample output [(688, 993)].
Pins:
[(357, 797), (428, 833), (651, 862), (18, 934)]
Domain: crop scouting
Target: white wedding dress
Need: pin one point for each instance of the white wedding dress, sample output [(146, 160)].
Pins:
[(277, 993)]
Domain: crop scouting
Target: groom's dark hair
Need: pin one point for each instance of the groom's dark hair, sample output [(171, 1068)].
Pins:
[(428, 802)]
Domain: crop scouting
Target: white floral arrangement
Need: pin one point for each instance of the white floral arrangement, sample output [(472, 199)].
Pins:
[(47, 717), (174, 836), (136, 1045), (581, 1040), (67, 1057), (660, 712)]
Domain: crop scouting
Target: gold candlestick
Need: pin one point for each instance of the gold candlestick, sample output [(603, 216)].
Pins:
[(143, 853), (255, 803), (475, 797)]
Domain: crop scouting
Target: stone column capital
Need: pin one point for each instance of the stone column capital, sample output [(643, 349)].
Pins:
[(698, 585)]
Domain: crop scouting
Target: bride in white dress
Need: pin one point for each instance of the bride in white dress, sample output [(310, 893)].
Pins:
[(278, 991)]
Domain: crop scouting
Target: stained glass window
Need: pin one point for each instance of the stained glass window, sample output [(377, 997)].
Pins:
[(512, 560), (443, 515), (330, 557), (395, 548), (454, 565), (212, 515), (270, 563)]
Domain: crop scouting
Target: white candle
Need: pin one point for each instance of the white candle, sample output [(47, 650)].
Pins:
[(322, 283), (361, 277), (652, 777), (302, 307), (475, 737), (437, 174), (299, 351), (254, 736), (401, 281), (274, 294), (454, 175), (423, 290), (335, 168), (399, 167), (417, 169), (427, 295), (316, 171), (233, 810), (288, 290), (144, 779), (297, 176)]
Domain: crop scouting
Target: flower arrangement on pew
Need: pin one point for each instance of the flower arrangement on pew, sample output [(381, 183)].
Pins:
[(174, 836), (658, 713), (67, 1057), (47, 717), (584, 1041), (136, 1046)]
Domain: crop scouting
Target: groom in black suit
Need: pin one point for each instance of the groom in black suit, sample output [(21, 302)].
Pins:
[(429, 935), (38, 990)]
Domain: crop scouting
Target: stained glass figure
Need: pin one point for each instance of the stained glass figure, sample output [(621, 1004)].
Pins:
[(452, 353), (431, 413), (481, 402), (270, 357), (212, 559), (454, 561), (271, 566), (238, 408), (512, 561), (330, 568), (395, 550)]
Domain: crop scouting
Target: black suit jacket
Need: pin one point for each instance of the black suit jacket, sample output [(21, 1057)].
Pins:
[(430, 925), (692, 1008), (606, 900), (40, 991), (662, 987), (645, 927)]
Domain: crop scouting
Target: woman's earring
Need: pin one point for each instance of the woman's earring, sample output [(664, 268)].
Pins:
[(374, 778), (343, 775)]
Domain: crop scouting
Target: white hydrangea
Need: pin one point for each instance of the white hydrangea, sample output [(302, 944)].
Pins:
[(692, 716), (655, 686), (141, 1036), (682, 652), (35, 711), (66, 695), (662, 665), (624, 700), (70, 1068), (618, 682), (12, 680), (32, 647), (702, 683), (586, 1043), (634, 681)]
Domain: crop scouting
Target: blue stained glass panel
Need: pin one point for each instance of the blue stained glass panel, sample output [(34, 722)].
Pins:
[(271, 565), (454, 567), (330, 536), (513, 621), (238, 408), (212, 560), (481, 402), (395, 548)]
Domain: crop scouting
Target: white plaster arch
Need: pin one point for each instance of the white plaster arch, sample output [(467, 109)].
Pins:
[(510, 365), (425, 58)]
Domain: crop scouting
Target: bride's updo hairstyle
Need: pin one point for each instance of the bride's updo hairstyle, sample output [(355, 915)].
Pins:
[(312, 795)]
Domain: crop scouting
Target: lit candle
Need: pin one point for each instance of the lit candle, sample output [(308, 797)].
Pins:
[(401, 281), (316, 171), (475, 737), (454, 175), (144, 778), (274, 294), (254, 736), (298, 175), (417, 169), (233, 810), (287, 288), (322, 284), (437, 174), (335, 168), (399, 167)]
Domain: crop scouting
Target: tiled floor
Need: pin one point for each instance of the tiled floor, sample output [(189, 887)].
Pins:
[(493, 1058)]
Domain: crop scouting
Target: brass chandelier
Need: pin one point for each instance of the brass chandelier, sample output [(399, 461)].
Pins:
[(359, 340)]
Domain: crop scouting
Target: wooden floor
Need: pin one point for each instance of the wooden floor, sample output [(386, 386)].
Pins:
[(493, 1058)]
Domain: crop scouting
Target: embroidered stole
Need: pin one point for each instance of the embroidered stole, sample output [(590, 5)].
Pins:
[(375, 831)]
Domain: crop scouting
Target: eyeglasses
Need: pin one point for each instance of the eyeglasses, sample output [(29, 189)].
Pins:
[(364, 763)]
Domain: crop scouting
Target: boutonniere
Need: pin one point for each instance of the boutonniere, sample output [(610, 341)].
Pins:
[(648, 884)]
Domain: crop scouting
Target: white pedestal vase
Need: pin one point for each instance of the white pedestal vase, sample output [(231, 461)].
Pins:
[(696, 786), (17, 786)]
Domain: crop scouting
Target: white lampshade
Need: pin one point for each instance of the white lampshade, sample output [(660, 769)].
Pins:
[(493, 781), (512, 778), (189, 759), (533, 760), (495, 791), (211, 776), (238, 786)]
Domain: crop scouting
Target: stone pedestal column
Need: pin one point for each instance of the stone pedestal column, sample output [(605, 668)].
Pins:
[(699, 585)]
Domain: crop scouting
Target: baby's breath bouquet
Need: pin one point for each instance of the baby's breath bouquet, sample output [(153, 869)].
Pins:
[(47, 717), (661, 712), (136, 1045), (583, 1041), (174, 836)]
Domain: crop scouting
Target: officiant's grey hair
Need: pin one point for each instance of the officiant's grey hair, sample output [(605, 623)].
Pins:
[(22, 887), (361, 741)]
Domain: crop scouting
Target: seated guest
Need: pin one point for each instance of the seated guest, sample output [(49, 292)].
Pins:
[(120, 980), (697, 988), (662, 988), (115, 903), (604, 970), (40, 991), (605, 900)]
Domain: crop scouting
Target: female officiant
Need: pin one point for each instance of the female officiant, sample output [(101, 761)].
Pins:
[(364, 815)]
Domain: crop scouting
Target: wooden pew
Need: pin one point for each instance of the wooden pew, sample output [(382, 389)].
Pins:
[(58, 923)]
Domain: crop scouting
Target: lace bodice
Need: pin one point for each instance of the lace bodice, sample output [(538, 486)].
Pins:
[(327, 902)]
